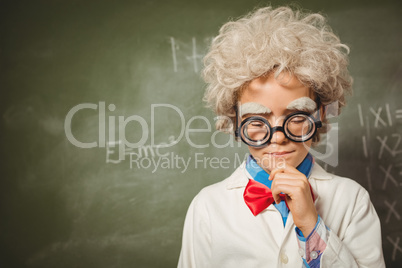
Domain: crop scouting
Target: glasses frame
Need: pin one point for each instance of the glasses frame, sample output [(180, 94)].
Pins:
[(316, 120)]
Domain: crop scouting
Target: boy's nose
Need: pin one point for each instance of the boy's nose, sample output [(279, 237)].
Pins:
[(278, 136)]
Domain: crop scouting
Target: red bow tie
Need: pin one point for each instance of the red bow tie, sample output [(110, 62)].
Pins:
[(258, 196)]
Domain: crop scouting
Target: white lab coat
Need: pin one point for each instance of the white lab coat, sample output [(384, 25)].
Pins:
[(220, 230)]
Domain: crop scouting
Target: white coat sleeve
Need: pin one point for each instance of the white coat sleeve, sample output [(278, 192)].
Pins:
[(196, 242), (361, 245)]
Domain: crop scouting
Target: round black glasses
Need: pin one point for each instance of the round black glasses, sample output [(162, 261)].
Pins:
[(300, 126)]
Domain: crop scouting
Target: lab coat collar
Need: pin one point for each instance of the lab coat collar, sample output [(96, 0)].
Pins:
[(239, 178)]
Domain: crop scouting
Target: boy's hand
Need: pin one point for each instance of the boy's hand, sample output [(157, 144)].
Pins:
[(295, 185)]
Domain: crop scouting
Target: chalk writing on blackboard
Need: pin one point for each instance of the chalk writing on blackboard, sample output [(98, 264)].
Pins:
[(398, 114), (382, 115), (393, 151), (187, 52), (382, 118), (385, 147), (391, 211), (396, 246), (389, 176), (174, 57), (150, 158), (114, 156)]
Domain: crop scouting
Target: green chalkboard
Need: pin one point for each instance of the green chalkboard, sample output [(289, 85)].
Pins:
[(91, 93)]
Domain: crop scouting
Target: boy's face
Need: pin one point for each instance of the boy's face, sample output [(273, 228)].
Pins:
[(274, 99)]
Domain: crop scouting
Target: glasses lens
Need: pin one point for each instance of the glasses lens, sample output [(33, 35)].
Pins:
[(299, 127), (255, 132)]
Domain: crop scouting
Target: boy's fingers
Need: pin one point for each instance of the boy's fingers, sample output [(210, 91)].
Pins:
[(280, 189), (275, 171), (288, 169)]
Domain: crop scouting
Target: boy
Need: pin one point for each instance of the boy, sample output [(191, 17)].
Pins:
[(272, 73)]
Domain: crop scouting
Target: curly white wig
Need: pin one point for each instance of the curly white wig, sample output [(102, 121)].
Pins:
[(274, 40)]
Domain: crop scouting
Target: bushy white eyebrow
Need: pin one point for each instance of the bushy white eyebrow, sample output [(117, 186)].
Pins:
[(302, 104), (253, 108)]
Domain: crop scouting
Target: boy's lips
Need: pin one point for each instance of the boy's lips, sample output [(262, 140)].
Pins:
[(279, 153)]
